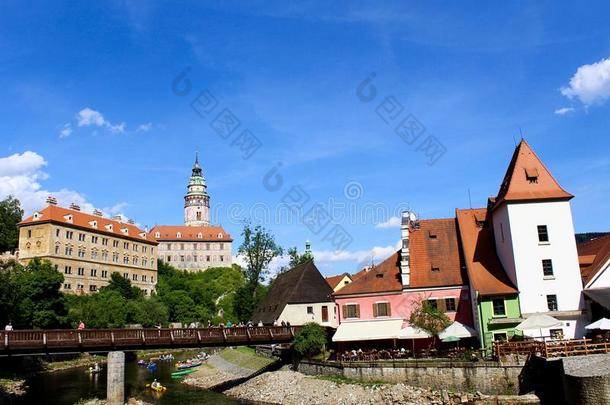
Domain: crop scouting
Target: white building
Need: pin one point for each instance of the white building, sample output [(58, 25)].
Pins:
[(534, 236), (195, 245)]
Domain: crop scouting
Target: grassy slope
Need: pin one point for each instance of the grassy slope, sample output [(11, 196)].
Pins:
[(245, 357)]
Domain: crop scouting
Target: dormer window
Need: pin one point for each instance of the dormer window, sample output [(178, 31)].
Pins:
[(178, 235), (435, 269), (157, 234), (220, 236), (379, 275), (199, 235), (109, 227), (531, 174), (125, 231), (93, 224), (37, 216), (432, 234), (68, 218)]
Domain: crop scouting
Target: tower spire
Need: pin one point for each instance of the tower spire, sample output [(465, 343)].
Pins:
[(196, 200)]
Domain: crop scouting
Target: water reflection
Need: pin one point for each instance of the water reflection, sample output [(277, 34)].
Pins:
[(68, 386)]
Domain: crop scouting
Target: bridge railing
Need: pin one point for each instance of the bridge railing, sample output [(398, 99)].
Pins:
[(63, 339)]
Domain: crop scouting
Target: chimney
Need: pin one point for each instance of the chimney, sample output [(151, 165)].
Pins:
[(131, 221), (97, 212), (117, 218), (405, 256), (74, 207), (51, 200)]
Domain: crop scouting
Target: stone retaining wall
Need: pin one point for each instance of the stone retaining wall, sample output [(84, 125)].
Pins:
[(486, 377)]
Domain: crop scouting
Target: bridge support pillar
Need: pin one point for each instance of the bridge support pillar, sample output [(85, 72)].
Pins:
[(115, 389)]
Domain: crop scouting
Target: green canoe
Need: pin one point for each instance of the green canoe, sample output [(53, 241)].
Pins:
[(183, 372)]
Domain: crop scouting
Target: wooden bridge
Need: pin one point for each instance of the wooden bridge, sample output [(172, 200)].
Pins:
[(105, 340)]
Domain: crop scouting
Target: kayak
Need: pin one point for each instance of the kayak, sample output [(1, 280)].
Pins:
[(183, 372), (160, 388), (93, 371)]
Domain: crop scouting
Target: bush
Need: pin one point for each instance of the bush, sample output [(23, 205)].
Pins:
[(310, 340)]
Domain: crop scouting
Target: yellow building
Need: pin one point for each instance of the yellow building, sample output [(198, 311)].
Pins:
[(88, 248)]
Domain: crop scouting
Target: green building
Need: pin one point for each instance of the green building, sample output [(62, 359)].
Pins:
[(494, 298)]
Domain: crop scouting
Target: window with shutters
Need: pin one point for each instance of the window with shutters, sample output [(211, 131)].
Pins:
[(351, 311), (381, 309)]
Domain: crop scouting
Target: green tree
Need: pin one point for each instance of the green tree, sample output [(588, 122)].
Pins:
[(123, 286), (427, 318), (310, 340), (9, 293), (40, 303), (258, 249), (10, 215)]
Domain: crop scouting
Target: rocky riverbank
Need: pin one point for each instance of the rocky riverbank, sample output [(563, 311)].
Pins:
[(11, 388), (292, 388)]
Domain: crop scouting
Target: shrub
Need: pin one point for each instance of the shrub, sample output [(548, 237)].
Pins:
[(310, 340)]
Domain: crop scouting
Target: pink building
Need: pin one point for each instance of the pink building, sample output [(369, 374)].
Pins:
[(377, 304)]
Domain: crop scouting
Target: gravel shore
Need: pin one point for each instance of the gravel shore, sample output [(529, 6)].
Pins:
[(292, 388)]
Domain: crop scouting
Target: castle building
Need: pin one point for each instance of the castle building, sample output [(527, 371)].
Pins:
[(196, 245), (88, 248)]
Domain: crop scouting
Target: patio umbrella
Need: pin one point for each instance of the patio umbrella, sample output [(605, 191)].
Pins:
[(450, 339), (603, 324), (538, 321), (456, 329), (411, 332)]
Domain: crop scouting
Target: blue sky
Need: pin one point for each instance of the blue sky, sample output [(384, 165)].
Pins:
[(88, 112)]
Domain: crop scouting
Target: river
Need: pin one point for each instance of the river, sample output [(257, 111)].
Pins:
[(69, 386)]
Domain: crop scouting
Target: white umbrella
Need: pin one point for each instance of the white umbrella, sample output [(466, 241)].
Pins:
[(411, 332), (457, 329), (538, 321), (603, 324)]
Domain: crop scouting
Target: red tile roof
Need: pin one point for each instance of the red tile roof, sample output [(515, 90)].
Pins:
[(593, 255), (190, 233), (333, 281), (527, 178), (384, 277), (482, 263), (434, 245), (82, 220)]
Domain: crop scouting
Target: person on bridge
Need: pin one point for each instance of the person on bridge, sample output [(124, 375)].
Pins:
[(8, 327), (81, 325), (260, 324)]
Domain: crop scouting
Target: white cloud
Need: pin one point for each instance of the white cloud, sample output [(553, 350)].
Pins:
[(590, 84), (87, 117), (563, 110), (362, 258), (144, 127), (21, 175), (393, 222), (66, 131)]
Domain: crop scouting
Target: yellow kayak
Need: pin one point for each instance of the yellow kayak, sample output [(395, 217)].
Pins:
[(160, 388)]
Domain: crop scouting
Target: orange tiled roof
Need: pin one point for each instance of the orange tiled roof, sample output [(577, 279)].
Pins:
[(592, 255), (482, 263), (333, 281), (527, 178), (434, 244), (385, 277), (82, 220), (190, 233)]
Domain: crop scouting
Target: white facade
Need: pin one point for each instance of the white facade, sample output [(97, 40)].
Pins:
[(300, 314), (521, 254), (195, 255)]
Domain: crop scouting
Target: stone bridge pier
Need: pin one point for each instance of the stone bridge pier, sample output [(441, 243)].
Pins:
[(115, 385)]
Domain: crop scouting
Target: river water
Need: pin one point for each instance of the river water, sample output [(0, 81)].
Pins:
[(69, 386)]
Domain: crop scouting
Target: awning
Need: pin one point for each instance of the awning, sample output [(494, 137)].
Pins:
[(599, 295), (602, 324), (367, 330), (411, 332), (458, 330)]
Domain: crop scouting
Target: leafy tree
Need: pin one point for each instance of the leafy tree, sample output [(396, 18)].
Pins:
[(123, 286), (9, 293), (10, 215), (428, 318), (147, 312), (258, 249), (40, 304), (310, 340), (296, 258), (181, 307)]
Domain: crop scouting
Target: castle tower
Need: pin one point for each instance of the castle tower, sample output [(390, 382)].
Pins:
[(196, 200)]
